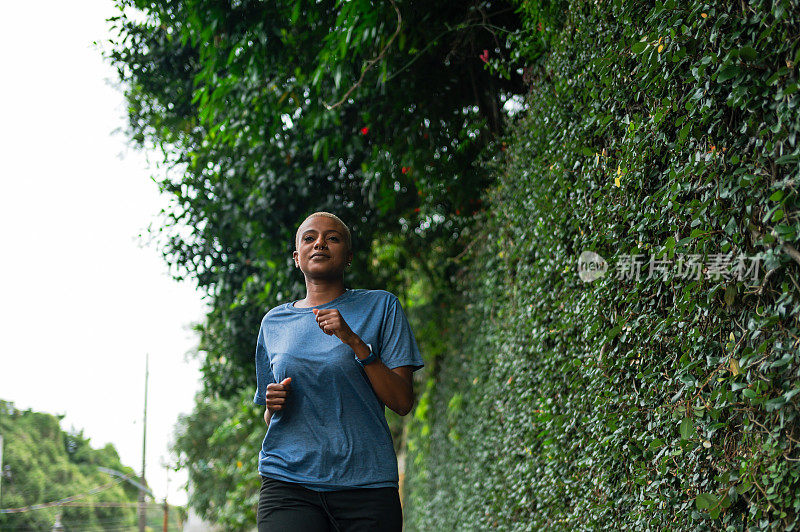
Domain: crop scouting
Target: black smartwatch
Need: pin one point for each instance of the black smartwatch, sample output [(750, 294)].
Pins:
[(370, 359)]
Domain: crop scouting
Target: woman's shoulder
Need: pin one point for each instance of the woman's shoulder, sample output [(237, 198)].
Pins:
[(273, 311), (375, 294)]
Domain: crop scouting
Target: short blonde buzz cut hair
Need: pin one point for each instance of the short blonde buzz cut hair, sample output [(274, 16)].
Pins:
[(329, 215)]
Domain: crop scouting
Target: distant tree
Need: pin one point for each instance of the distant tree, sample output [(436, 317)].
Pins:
[(218, 445), (45, 464)]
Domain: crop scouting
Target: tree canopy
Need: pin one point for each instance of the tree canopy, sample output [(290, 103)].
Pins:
[(264, 112), (236, 95), (43, 464)]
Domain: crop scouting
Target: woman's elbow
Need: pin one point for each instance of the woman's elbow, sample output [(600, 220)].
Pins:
[(406, 407)]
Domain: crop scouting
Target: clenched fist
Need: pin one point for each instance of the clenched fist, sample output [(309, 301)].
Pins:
[(276, 397), (331, 322)]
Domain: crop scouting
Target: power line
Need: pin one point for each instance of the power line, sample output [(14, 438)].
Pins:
[(129, 478), (148, 506), (34, 493), (66, 501), (60, 502)]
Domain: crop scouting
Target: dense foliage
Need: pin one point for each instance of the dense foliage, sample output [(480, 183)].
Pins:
[(667, 130), (42, 464), (268, 111), (663, 402), (237, 94)]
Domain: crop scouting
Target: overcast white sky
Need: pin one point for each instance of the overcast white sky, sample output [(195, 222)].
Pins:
[(81, 300)]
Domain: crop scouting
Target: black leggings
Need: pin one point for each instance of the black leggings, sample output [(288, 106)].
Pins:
[(289, 506)]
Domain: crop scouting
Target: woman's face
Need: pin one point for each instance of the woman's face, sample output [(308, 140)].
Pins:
[(322, 250)]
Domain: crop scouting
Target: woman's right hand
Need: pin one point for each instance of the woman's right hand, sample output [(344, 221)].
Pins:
[(276, 397)]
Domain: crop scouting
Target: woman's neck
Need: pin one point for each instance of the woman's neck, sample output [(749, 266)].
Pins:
[(320, 295)]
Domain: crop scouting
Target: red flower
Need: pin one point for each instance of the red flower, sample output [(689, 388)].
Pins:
[(484, 56), (425, 136), (405, 169), (364, 130), (539, 26), (416, 210)]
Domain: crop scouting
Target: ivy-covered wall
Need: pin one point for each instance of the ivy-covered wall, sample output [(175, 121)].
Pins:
[(651, 401)]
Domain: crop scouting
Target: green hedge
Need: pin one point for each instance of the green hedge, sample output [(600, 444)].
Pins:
[(649, 404)]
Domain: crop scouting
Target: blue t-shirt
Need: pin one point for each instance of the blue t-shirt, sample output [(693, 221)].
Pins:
[(331, 433)]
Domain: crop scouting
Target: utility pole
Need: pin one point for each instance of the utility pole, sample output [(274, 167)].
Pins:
[(166, 514), (166, 506), (1, 469), (142, 516)]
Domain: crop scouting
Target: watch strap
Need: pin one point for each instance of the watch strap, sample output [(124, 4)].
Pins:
[(370, 359)]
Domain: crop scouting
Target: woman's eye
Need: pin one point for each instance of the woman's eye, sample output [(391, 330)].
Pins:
[(334, 238)]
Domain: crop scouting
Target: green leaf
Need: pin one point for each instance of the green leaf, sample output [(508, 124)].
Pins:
[(686, 428), (705, 501), (613, 332), (783, 361), (726, 502), (788, 395), (748, 53), (776, 196), (730, 294), (728, 73), (714, 511), (775, 404)]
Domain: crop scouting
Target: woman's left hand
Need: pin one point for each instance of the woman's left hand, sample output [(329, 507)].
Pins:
[(332, 322)]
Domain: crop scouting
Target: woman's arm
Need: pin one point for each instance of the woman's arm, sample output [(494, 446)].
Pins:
[(393, 386)]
